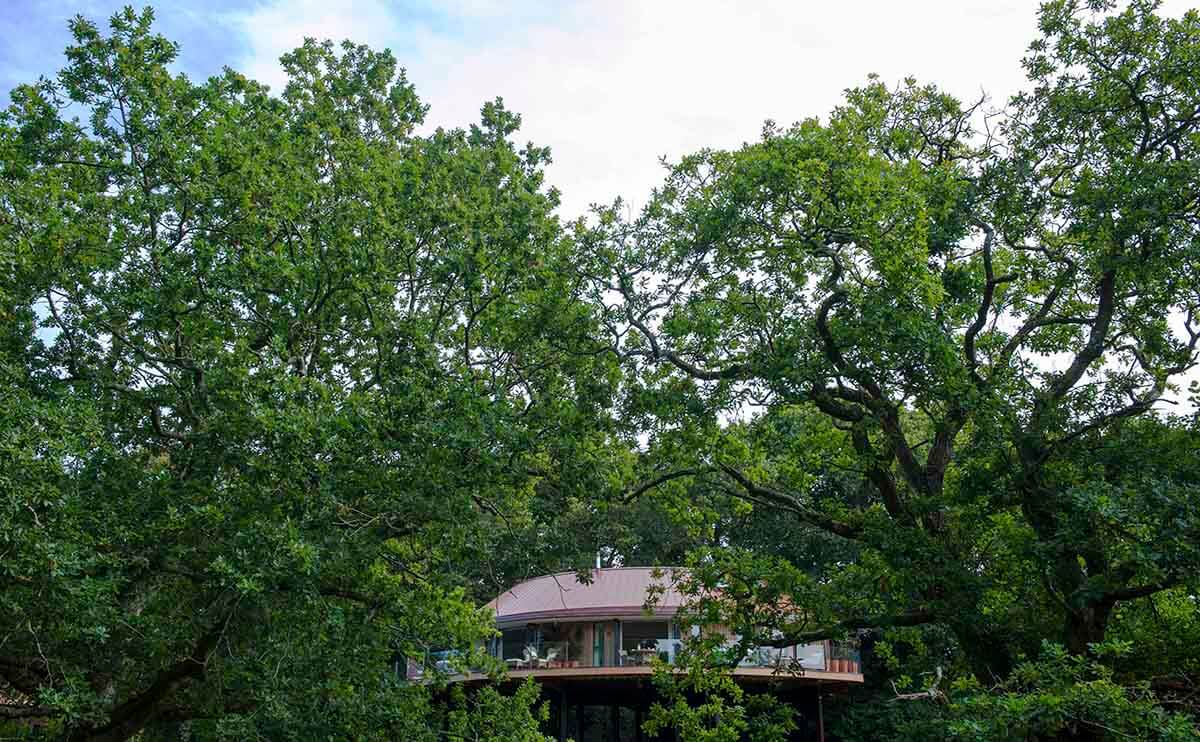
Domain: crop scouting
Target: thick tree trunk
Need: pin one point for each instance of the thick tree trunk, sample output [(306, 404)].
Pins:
[(133, 715), (1086, 625), (1086, 619), (990, 655)]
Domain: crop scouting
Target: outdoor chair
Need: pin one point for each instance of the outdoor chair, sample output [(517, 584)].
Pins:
[(531, 656), (551, 655)]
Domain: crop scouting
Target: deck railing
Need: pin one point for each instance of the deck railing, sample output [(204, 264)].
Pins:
[(638, 654), (558, 655)]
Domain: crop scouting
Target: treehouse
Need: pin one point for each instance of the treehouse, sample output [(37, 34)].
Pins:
[(593, 647)]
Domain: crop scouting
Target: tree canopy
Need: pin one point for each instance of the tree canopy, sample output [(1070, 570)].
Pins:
[(281, 379), (937, 334), (290, 386)]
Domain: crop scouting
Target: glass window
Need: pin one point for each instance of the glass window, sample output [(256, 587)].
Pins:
[(642, 641), (512, 643), (597, 645), (555, 644)]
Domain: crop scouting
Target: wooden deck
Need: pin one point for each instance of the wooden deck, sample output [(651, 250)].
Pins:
[(601, 673)]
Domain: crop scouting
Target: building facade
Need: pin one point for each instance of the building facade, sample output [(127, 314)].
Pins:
[(592, 648)]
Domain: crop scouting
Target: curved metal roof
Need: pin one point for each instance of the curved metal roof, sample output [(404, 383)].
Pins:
[(613, 593)]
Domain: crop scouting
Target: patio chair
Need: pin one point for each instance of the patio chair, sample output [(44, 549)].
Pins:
[(551, 655), (531, 656)]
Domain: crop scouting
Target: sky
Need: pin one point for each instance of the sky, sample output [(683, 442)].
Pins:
[(612, 86)]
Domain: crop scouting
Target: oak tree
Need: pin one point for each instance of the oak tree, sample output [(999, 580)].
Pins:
[(945, 336), (279, 375)]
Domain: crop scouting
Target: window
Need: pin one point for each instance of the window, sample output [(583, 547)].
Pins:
[(597, 645), (512, 643), (642, 641)]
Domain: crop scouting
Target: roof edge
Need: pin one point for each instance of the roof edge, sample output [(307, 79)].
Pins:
[(585, 613)]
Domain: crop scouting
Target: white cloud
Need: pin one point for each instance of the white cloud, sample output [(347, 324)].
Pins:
[(278, 27), (612, 85)]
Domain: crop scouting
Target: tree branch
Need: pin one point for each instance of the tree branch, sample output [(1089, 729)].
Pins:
[(825, 401), (1039, 317), (1094, 347), (18, 711), (1137, 407), (875, 400), (128, 718), (733, 371), (985, 304), (650, 484), (913, 618), (879, 475), (833, 353), (1140, 591), (792, 504)]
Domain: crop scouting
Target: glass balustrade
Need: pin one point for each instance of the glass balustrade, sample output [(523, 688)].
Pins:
[(566, 646)]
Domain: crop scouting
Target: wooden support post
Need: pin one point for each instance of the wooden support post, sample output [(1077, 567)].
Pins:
[(563, 710), (820, 714)]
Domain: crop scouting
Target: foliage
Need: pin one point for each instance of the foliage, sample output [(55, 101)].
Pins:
[(1061, 693), (1053, 696), (939, 336), (287, 389), (707, 707), (489, 716), (280, 377)]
